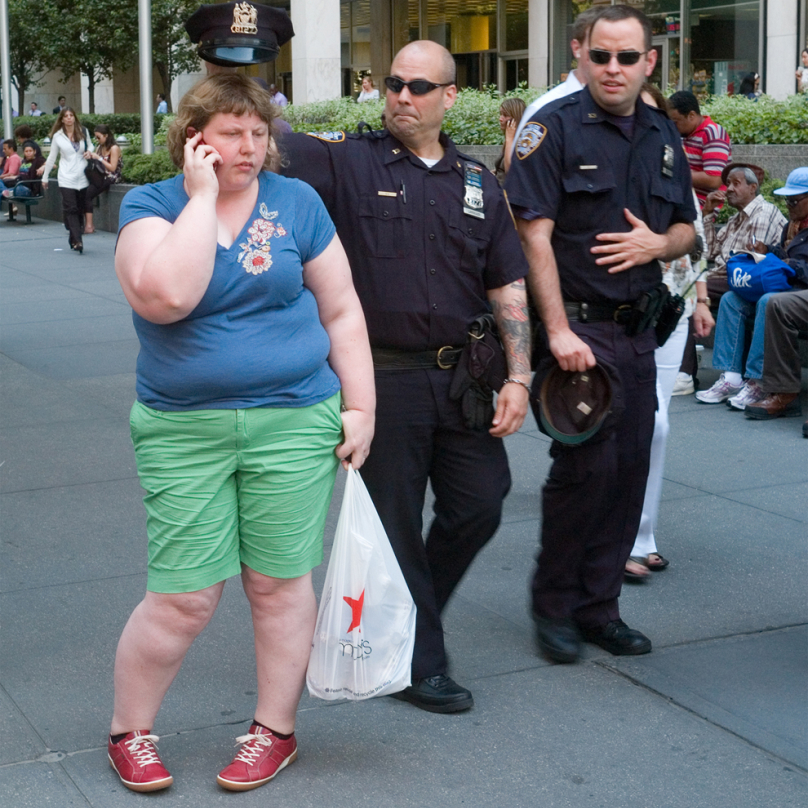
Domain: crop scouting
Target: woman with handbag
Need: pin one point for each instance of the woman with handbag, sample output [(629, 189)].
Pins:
[(69, 142), (254, 379), (104, 166)]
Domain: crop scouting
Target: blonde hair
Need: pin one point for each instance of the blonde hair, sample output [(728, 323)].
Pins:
[(228, 94)]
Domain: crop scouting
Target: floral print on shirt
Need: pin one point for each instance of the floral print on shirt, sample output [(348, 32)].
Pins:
[(255, 252)]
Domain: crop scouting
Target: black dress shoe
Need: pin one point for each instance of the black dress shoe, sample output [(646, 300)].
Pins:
[(558, 638), (437, 694), (618, 639)]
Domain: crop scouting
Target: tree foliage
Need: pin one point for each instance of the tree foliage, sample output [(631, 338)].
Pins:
[(92, 37), (172, 51), (28, 24)]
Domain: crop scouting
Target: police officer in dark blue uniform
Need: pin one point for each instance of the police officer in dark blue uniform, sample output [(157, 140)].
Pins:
[(431, 244), (601, 190)]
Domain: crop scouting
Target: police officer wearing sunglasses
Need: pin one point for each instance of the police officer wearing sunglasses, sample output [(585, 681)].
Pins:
[(432, 246), (601, 190)]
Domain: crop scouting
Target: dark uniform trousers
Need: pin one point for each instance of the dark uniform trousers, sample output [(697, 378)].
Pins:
[(593, 497), (420, 437)]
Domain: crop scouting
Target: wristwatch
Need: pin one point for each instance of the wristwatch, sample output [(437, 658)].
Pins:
[(705, 300)]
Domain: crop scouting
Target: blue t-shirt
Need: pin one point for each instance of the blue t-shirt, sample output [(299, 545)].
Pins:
[(255, 339)]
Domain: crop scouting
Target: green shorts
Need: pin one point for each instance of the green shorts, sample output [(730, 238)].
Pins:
[(232, 487)]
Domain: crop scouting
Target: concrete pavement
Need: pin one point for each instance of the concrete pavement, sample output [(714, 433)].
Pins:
[(716, 716)]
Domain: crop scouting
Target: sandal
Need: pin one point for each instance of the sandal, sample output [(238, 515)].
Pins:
[(632, 575), (656, 563)]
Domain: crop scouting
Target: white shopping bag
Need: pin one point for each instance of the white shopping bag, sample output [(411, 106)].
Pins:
[(365, 629)]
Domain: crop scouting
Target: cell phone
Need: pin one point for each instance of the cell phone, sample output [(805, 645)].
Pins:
[(190, 132)]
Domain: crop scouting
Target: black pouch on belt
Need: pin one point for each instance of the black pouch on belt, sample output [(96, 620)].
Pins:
[(645, 310), (480, 372), (671, 312)]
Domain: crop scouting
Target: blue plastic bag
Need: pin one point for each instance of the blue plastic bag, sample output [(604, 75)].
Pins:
[(751, 275)]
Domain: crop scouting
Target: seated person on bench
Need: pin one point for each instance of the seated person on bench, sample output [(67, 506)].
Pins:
[(734, 311)]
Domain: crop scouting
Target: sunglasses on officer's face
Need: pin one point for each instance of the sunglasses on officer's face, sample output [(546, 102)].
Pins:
[(603, 57), (416, 87)]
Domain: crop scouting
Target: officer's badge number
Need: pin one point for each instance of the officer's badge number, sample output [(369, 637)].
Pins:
[(530, 139)]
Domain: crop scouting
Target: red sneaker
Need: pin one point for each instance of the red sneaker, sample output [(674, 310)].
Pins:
[(261, 757), (137, 763)]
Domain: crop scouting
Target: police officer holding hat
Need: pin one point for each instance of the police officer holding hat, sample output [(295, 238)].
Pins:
[(432, 245), (601, 190)]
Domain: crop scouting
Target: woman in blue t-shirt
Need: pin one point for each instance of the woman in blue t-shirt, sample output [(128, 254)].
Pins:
[(254, 379)]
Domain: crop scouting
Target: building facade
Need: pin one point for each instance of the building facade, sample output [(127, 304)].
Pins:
[(703, 45)]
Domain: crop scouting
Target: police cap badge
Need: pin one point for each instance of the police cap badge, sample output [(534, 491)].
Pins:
[(233, 34)]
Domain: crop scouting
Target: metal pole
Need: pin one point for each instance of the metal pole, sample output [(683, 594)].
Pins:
[(145, 62), (5, 68)]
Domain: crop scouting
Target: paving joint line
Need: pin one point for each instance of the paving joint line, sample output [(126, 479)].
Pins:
[(628, 677)]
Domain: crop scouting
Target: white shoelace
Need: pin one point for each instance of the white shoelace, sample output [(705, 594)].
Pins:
[(144, 749), (251, 748)]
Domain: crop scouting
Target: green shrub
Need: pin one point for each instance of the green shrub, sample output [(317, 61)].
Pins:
[(474, 119), (765, 121), (140, 169), (118, 122)]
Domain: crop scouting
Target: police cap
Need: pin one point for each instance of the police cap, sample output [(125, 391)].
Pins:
[(574, 404), (233, 34)]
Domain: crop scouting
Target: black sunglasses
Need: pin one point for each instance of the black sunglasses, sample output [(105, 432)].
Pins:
[(793, 201), (416, 87), (603, 57)]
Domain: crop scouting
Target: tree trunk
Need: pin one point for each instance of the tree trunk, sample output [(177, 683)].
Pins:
[(165, 78), (91, 90)]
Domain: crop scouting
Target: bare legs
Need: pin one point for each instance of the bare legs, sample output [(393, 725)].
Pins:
[(284, 613), (162, 628)]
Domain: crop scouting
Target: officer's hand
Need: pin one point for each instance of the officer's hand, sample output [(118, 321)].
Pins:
[(358, 427), (639, 246), (512, 402), (571, 352)]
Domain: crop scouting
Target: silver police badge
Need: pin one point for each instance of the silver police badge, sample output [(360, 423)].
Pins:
[(530, 139)]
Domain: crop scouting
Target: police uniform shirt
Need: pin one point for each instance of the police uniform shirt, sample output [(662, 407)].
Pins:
[(573, 165), (421, 266)]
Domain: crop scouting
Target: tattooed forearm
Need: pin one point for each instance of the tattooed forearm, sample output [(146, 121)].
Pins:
[(510, 311)]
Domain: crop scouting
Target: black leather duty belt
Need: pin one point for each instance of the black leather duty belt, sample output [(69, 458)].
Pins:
[(393, 359), (597, 312)]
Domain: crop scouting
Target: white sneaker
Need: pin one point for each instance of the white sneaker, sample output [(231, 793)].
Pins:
[(750, 393), (720, 391), (684, 385)]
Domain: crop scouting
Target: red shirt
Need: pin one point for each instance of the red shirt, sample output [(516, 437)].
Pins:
[(12, 164), (708, 149)]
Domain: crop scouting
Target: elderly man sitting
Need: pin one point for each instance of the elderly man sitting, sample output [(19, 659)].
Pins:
[(756, 220), (734, 311)]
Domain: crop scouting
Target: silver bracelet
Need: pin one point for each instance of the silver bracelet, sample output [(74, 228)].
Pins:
[(517, 381)]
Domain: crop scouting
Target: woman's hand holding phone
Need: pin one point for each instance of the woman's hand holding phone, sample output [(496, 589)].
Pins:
[(201, 162)]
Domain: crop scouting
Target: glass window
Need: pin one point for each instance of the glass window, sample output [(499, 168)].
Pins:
[(725, 38), (462, 27), (516, 25)]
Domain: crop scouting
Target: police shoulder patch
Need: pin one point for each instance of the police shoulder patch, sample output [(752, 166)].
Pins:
[(330, 137), (530, 139)]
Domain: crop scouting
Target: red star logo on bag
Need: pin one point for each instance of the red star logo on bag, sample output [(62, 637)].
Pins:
[(356, 610)]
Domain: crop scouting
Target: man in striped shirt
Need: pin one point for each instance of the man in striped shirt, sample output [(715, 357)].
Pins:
[(706, 143)]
